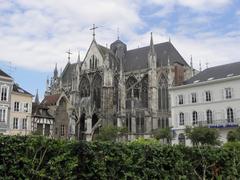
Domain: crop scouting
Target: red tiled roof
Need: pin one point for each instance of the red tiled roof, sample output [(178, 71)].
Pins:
[(50, 100)]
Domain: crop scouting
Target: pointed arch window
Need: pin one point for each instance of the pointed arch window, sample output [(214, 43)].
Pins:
[(84, 87), (96, 90), (163, 94), (144, 92)]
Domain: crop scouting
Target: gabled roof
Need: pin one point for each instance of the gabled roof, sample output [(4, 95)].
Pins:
[(2, 73), (137, 59), (51, 100), (20, 90), (40, 111), (217, 72)]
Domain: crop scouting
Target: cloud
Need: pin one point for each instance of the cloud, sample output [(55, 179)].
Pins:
[(200, 5), (36, 34)]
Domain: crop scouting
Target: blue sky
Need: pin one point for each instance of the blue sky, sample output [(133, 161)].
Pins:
[(36, 34)]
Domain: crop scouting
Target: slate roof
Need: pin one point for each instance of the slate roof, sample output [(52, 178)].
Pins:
[(40, 111), (67, 73), (217, 72), (2, 73), (50, 100), (137, 59), (20, 90)]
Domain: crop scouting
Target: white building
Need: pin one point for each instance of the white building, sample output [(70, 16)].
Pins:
[(211, 98), (6, 84), (21, 110)]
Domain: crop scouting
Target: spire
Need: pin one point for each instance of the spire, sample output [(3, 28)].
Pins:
[(191, 64), (47, 83), (78, 60), (55, 73), (168, 61), (37, 98), (152, 49), (69, 55)]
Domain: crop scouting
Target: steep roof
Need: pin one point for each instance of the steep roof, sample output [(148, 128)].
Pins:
[(2, 73), (51, 100), (217, 72), (137, 59), (40, 111), (68, 71), (20, 90)]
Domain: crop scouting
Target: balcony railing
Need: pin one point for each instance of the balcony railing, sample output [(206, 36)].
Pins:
[(223, 123)]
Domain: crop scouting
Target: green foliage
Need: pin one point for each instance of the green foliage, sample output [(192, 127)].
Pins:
[(203, 136), (234, 135), (164, 134), (42, 158), (110, 133)]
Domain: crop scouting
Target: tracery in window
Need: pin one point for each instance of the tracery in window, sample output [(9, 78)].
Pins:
[(163, 93)]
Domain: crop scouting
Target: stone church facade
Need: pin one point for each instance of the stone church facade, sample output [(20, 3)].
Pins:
[(121, 87)]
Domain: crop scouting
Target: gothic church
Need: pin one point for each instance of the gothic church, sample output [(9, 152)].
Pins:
[(120, 87)]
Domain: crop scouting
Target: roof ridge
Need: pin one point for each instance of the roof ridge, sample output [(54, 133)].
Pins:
[(149, 46)]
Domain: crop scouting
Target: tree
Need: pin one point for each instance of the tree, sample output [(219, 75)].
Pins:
[(163, 134), (110, 133), (234, 135), (203, 136)]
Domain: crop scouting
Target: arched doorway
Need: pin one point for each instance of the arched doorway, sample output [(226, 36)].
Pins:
[(94, 119)]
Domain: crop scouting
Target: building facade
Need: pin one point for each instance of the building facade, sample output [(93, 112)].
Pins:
[(121, 87), (211, 98), (6, 84), (21, 110), (60, 108)]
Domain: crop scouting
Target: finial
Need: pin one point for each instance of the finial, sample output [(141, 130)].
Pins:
[(69, 55), (200, 66), (168, 62), (93, 29), (78, 60), (152, 50), (169, 39)]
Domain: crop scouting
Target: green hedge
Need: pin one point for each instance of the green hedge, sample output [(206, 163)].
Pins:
[(41, 158)]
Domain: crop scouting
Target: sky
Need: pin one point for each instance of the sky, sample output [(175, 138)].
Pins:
[(35, 35)]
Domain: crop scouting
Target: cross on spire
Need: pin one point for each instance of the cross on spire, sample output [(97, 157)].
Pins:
[(69, 55), (93, 29)]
